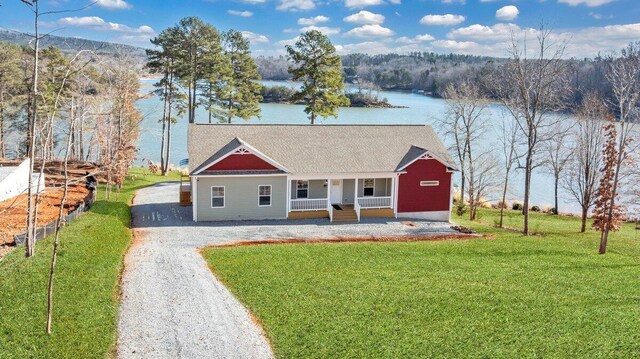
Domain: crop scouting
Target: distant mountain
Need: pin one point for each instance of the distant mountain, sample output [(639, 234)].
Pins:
[(71, 44)]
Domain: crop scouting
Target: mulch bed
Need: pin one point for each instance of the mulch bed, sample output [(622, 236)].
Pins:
[(13, 211)]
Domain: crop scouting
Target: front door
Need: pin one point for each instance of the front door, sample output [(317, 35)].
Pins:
[(336, 191)]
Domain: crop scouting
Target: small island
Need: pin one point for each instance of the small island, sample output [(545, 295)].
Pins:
[(366, 98)]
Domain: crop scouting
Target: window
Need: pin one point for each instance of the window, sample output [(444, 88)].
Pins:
[(264, 195), (429, 183), (302, 189), (217, 197), (369, 185)]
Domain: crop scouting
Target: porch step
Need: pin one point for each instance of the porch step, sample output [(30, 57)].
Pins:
[(347, 215)]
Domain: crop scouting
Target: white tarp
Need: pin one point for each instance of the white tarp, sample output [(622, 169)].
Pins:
[(15, 180)]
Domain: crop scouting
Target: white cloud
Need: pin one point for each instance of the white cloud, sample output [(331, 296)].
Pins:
[(289, 42), (97, 23), (395, 2), (362, 3), (365, 17), (370, 31), (507, 13), (323, 29), (296, 5), (497, 32), (312, 20), (255, 38), (457, 46), (599, 16), (416, 39), (447, 19), (590, 3), (240, 13), (113, 4), (588, 42)]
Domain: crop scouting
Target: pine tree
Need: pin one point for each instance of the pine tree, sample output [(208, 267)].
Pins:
[(243, 89), (319, 68)]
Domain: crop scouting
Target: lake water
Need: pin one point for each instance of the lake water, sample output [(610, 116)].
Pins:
[(419, 109)]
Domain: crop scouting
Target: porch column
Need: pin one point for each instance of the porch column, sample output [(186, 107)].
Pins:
[(394, 190), (288, 196), (329, 207), (356, 205)]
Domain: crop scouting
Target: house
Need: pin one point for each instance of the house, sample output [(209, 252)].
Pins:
[(14, 180), (340, 172)]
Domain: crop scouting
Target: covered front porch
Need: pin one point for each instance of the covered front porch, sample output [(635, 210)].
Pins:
[(341, 198)]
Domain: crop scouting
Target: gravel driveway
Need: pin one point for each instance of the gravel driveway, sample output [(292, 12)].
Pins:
[(173, 307)]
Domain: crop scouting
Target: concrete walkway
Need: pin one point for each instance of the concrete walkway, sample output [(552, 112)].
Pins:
[(173, 307)]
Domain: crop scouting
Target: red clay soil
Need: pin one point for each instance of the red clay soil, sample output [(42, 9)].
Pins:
[(354, 240), (13, 211)]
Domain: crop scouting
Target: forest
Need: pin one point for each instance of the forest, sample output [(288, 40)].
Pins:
[(431, 72)]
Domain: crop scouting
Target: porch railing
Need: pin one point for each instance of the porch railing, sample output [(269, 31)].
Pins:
[(306, 204), (374, 202)]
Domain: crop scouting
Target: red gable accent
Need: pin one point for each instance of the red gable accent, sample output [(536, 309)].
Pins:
[(415, 198), (238, 162)]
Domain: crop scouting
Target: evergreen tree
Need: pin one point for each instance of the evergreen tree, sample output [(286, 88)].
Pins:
[(319, 68), (243, 89), (165, 61), (200, 57)]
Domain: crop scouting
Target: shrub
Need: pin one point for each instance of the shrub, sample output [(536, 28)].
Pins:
[(535, 209), (461, 208), (517, 206)]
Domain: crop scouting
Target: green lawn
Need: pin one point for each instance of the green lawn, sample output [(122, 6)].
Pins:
[(86, 285), (511, 296)]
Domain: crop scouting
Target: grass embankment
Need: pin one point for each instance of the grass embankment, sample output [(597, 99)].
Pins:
[(86, 285), (511, 296)]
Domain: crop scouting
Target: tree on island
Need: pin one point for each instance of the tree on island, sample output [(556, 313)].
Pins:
[(318, 66)]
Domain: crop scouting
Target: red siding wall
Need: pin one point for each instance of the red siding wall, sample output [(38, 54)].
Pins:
[(414, 198), (238, 162)]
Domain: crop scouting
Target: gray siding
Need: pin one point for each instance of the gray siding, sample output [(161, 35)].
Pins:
[(241, 198)]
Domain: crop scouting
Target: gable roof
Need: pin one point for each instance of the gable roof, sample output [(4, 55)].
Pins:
[(231, 148), (311, 149)]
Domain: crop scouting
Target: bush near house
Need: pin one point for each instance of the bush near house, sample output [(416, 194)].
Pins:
[(86, 286), (507, 296)]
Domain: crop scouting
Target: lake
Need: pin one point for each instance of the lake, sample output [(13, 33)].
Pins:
[(420, 109)]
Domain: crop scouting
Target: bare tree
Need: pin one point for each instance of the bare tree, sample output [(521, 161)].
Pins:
[(557, 154), (32, 117), (532, 89), (466, 123), (509, 146), (583, 171), (623, 73), (59, 223)]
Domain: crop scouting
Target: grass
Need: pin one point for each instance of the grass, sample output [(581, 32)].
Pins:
[(511, 296), (86, 286)]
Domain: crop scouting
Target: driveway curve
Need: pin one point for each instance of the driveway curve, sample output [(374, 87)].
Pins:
[(172, 306)]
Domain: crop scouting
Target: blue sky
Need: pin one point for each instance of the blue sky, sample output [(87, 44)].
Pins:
[(480, 27)]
